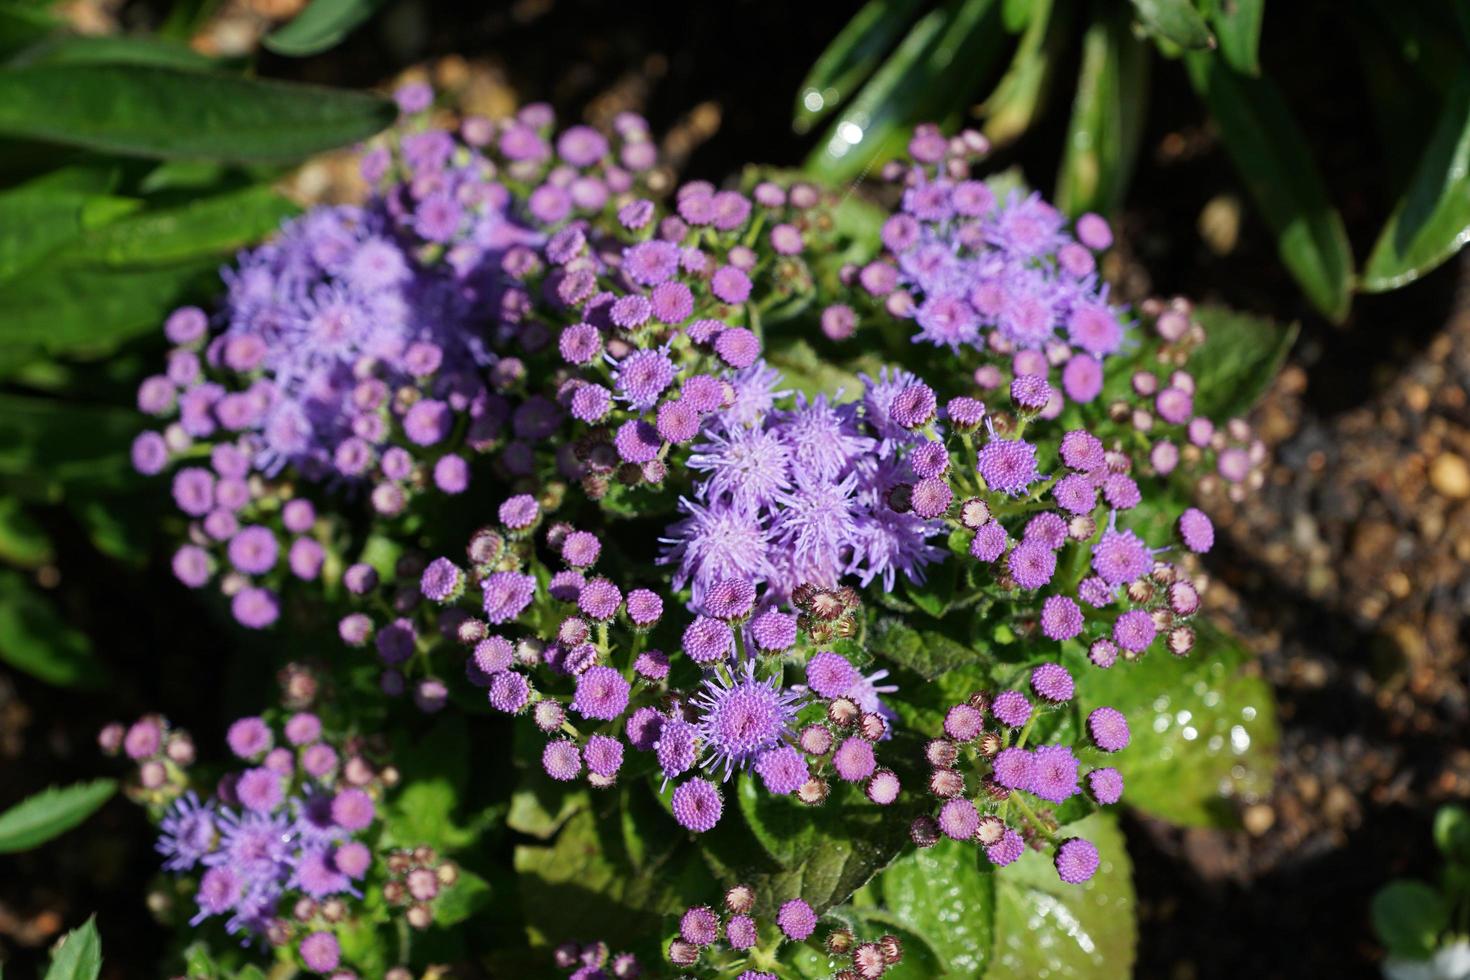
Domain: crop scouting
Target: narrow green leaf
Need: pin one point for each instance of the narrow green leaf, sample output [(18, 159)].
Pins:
[(1276, 163), (1431, 221), (35, 639), (1203, 729), (65, 441), (323, 24), (1045, 927), (931, 76), (1240, 358), (34, 223), (851, 57), (1175, 21), (149, 111), (1108, 112), (1237, 25), (213, 225), (1408, 916), (51, 813), (1016, 14), (22, 25), (23, 541), (113, 50), (1452, 832), (78, 954), (1021, 93)]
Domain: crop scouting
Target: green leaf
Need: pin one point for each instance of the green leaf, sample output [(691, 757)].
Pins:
[(820, 854), (22, 539), (1276, 164), (34, 638), (920, 961), (64, 441), (22, 25), (1241, 356), (1108, 112), (1237, 25), (113, 50), (322, 25), (1021, 94), (424, 810), (1175, 21), (217, 225), (925, 652), (51, 813), (942, 895), (851, 57), (34, 223), (1431, 221), (78, 954), (1452, 832), (1203, 729), (463, 899), (931, 76), (136, 110), (1045, 927), (585, 877), (1409, 916)]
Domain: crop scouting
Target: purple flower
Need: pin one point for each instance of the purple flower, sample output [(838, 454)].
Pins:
[(1120, 557), (831, 675), (796, 920), (740, 719), (507, 594), (603, 755), (1007, 850), (1105, 785), (1108, 729), (1061, 618), (853, 759), (442, 581), (599, 599), (958, 819), (509, 692), (260, 790), (561, 760), (1011, 708), (650, 263), (353, 810), (676, 747), (696, 804), (644, 608), (1013, 768), (783, 770), (1051, 682), (1053, 773), (729, 599), (602, 693), (1076, 860), (1008, 465), (1031, 564), (774, 632), (730, 284), (1196, 531), (255, 608), (187, 833), (707, 639), (1134, 631)]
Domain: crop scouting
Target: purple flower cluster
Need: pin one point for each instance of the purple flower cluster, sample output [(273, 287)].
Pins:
[(799, 495), (595, 961), (722, 938), (982, 770)]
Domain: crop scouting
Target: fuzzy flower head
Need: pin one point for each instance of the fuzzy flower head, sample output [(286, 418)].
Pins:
[(741, 718)]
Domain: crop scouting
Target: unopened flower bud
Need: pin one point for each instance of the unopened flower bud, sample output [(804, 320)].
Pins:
[(924, 831)]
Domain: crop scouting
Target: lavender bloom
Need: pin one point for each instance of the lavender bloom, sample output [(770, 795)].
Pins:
[(741, 718)]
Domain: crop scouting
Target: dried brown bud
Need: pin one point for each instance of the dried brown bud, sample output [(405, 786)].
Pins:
[(334, 910), (827, 606), (872, 726), (989, 744), (682, 953), (892, 949), (420, 916), (990, 830), (844, 712), (1140, 591), (448, 873), (868, 961), (924, 831), (1181, 640), (974, 513), (814, 791), (803, 595), (740, 899), (839, 941), (815, 740)]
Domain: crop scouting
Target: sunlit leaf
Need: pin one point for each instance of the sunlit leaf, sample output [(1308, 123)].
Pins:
[(51, 813)]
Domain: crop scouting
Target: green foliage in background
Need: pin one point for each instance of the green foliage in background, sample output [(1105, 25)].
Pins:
[(898, 63), (131, 169), (1419, 921)]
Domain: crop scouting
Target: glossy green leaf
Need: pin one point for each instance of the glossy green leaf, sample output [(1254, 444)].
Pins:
[(1021, 94), (1452, 832), (426, 808), (1274, 160), (322, 25), (920, 961), (1237, 25), (926, 652), (217, 225), (44, 438), (1203, 729), (1409, 916), (821, 854), (585, 877), (931, 76), (136, 110), (22, 539), (35, 639), (78, 954), (1431, 222), (1108, 111), (51, 813), (1240, 358), (1045, 927), (33, 223), (851, 57), (942, 895), (462, 900), (85, 307), (1176, 21), (113, 50)]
